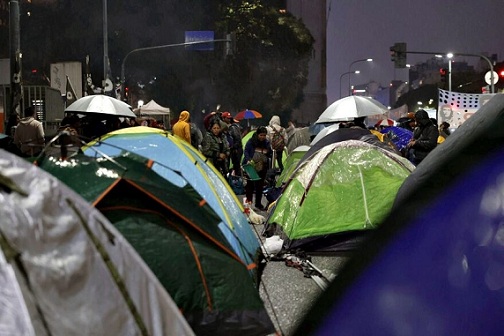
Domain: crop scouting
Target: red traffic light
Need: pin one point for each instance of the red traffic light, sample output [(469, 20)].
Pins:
[(443, 71), (501, 73)]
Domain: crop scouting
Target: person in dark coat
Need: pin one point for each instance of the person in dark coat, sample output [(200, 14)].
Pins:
[(425, 137), (444, 129), (407, 122), (233, 134), (216, 148), (257, 153)]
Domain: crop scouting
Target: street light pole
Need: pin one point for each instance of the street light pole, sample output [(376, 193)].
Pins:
[(105, 43), (123, 65), (492, 86), (449, 56), (16, 88), (350, 69), (341, 77)]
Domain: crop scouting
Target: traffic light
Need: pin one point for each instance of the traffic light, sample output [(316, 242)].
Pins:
[(393, 54), (443, 72), (398, 54)]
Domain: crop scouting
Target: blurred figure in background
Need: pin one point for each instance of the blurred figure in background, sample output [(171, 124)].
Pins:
[(182, 127), (425, 138), (407, 122), (257, 153), (277, 137), (196, 136), (29, 136), (234, 138), (444, 129), (215, 147)]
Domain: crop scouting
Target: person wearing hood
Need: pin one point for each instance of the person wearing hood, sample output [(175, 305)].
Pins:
[(277, 137), (215, 147), (407, 122), (182, 127), (425, 137), (29, 136), (257, 153)]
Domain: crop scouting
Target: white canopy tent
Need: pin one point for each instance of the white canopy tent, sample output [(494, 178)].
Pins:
[(155, 110)]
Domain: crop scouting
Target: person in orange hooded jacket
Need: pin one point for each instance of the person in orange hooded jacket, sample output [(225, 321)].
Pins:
[(182, 127)]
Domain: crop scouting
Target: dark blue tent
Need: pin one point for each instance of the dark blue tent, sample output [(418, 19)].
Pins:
[(436, 264), (399, 136)]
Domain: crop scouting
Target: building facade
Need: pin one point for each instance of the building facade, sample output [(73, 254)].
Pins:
[(313, 14)]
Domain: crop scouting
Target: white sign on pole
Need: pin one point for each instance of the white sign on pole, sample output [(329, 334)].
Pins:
[(488, 78)]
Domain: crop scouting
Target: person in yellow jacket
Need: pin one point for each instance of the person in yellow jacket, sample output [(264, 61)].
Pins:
[(182, 127)]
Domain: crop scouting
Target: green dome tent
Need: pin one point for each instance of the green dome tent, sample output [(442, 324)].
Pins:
[(176, 233), (290, 164), (345, 187)]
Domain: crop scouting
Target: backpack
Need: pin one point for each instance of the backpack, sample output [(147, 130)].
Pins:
[(236, 183), (277, 140), (235, 134), (229, 139)]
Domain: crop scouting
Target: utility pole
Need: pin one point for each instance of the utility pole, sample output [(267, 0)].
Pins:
[(492, 87), (16, 89), (105, 41), (230, 40)]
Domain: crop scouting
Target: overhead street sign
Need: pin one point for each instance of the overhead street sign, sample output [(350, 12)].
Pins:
[(200, 36)]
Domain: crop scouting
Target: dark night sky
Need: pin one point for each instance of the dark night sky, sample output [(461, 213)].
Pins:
[(355, 30), (362, 29)]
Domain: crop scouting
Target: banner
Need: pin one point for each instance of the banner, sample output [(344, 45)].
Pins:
[(456, 107), (89, 81), (70, 92), (108, 85), (17, 87)]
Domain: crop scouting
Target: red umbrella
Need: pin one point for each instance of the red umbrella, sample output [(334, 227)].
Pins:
[(385, 123)]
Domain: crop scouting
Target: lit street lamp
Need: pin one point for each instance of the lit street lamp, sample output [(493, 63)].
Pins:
[(449, 56), (341, 77), (350, 68)]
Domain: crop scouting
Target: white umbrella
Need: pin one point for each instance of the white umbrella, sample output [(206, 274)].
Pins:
[(101, 104), (348, 108)]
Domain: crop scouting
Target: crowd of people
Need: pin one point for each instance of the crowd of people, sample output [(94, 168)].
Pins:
[(221, 143), (26, 135), (220, 140)]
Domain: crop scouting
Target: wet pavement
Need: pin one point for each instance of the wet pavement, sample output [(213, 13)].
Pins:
[(287, 293)]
